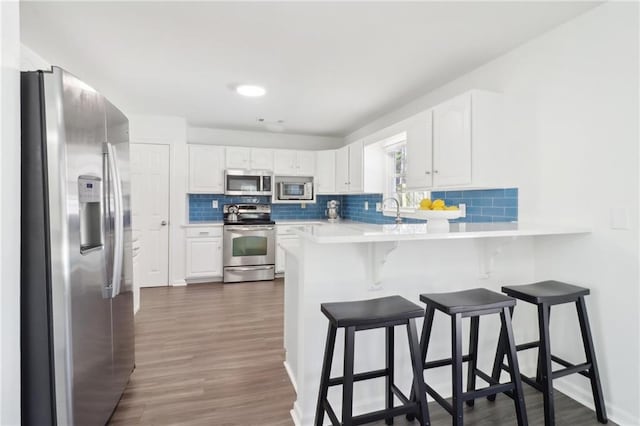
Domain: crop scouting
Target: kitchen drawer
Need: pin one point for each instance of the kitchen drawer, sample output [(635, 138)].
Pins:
[(214, 231)]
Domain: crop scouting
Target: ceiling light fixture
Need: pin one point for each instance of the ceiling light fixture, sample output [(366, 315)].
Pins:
[(250, 90)]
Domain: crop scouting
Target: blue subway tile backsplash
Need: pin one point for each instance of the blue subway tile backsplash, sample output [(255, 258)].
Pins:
[(488, 205)]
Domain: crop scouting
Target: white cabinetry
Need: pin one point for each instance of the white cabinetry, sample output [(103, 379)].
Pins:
[(294, 163), (452, 142), (349, 168), (206, 169), (204, 252), (325, 182), (249, 158), (458, 143)]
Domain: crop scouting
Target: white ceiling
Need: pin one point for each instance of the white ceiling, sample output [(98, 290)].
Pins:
[(329, 68)]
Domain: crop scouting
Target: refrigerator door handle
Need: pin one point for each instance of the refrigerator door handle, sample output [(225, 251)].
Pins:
[(118, 249)]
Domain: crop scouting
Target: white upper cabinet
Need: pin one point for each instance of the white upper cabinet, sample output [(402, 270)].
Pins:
[(249, 158), (342, 169), (294, 163), (349, 168), (325, 182), (356, 157), (459, 143), (419, 150), (206, 169), (452, 142), (306, 162), (261, 159), (238, 157)]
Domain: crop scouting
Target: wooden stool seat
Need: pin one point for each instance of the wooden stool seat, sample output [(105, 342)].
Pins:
[(373, 311), (549, 292), (476, 299)]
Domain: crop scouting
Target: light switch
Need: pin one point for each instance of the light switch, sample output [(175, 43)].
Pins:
[(619, 218), (214, 204), (378, 207), (366, 205)]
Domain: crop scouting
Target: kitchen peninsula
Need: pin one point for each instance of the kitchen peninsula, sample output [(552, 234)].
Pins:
[(352, 261)]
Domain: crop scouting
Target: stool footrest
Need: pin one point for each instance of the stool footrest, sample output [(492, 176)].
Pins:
[(528, 380), (487, 378), (360, 376), (489, 390), (443, 362), (530, 345), (398, 393), (330, 412), (580, 368), (384, 414), (568, 364), (443, 402)]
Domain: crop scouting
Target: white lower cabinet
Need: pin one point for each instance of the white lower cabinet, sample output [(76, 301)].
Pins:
[(204, 253)]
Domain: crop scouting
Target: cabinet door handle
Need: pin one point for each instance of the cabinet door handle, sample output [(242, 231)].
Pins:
[(427, 172), (435, 171)]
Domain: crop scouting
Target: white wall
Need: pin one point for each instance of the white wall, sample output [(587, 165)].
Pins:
[(31, 61), (576, 91), (260, 139), (9, 214)]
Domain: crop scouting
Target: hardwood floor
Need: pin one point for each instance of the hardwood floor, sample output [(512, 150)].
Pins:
[(211, 354)]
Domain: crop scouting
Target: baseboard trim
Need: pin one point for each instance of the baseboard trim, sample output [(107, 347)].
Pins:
[(292, 379), (203, 280), (178, 283), (584, 397)]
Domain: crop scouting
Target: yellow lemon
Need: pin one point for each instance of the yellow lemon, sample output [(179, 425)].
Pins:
[(425, 204), (438, 204), (452, 208)]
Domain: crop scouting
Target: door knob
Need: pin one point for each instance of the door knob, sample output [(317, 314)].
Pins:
[(163, 223)]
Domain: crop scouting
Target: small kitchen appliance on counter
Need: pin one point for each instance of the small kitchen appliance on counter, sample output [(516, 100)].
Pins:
[(249, 243), (333, 210)]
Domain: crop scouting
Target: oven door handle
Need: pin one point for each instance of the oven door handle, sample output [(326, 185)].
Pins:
[(249, 268), (253, 228)]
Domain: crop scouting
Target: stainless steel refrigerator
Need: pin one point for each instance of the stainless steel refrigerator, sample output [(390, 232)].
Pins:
[(77, 336)]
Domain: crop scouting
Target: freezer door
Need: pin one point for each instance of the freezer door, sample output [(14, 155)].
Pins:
[(80, 247), (122, 301)]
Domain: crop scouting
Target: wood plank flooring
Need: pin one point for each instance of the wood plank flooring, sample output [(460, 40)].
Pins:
[(211, 354)]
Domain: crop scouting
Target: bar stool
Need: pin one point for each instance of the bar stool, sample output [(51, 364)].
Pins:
[(544, 294), (385, 312), (471, 304)]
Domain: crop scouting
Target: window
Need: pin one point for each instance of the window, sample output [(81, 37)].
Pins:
[(396, 186)]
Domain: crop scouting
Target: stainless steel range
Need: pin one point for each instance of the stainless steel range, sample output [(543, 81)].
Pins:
[(249, 243)]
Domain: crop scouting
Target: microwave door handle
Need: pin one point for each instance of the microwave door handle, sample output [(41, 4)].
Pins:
[(118, 220)]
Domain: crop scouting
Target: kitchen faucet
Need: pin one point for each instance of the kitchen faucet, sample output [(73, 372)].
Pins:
[(398, 218)]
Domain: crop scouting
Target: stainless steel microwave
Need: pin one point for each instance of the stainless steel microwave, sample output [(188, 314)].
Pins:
[(295, 191), (247, 182)]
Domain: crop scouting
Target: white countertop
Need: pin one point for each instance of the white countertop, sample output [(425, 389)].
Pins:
[(200, 224), (354, 232)]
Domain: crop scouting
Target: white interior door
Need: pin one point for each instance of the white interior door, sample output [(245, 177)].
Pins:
[(150, 212)]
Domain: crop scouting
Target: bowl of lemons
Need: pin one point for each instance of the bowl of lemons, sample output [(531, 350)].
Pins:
[(437, 214)]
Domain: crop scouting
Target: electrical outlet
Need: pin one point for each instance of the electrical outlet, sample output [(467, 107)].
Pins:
[(463, 209), (378, 207), (214, 204), (366, 205), (303, 205)]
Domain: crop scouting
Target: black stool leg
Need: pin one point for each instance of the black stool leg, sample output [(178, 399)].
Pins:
[(347, 387), (514, 369), (589, 350), (418, 372), (538, 375), (389, 366), (456, 368), (473, 357), (497, 362), (425, 335), (545, 364), (326, 374)]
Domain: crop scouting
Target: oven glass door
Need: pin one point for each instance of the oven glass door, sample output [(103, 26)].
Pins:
[(249, 245)]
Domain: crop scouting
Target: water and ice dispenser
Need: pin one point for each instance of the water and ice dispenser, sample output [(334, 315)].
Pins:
[(90, 200)]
